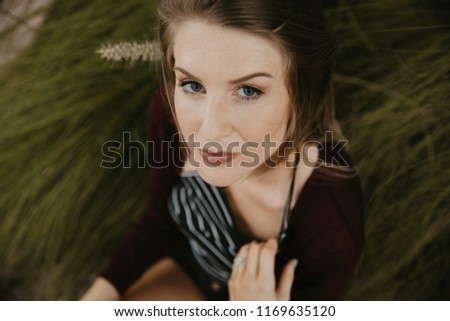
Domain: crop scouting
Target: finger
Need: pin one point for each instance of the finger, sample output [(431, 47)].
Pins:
[(266, 267), (238, 267), (286, 280), (236, 273), (252, 261)]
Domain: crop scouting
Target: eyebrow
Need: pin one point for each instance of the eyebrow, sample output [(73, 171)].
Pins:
[(236, 81)]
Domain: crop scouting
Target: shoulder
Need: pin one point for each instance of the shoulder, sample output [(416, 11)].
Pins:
[(326, 234), (335, 183), (330, 209), (328, 169)]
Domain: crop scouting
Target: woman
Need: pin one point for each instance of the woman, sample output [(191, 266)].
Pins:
[(252, 201)]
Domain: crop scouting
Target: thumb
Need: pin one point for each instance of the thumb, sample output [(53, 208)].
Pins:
[(286, 280)]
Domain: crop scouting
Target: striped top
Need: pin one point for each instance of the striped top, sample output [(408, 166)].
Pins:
[(203, 214)]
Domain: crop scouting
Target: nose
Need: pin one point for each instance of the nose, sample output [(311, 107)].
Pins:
[(215, 122)]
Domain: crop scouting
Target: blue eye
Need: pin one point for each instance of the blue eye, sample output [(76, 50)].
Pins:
[(248, 92), (190, 87), (194, 86)]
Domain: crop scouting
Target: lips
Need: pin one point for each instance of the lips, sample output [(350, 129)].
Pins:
[(217, 158)]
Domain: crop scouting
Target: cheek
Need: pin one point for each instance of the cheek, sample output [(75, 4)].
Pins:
[(271, 120), (276, 111)]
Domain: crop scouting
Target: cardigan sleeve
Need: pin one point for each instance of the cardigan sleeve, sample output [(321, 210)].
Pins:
[(151, 237)]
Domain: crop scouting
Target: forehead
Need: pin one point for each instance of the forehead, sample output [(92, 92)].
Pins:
[(203, 45)]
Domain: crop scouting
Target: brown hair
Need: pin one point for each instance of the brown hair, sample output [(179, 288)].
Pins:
[(298, 27)]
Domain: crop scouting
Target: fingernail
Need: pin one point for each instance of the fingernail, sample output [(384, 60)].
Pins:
[(295, 264)]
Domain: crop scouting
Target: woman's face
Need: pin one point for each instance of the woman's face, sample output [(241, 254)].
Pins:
[(230, 96)]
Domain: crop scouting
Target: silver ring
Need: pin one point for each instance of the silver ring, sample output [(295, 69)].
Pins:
[(239, 260)]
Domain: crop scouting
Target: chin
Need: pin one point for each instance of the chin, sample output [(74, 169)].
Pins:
[(218, 176)]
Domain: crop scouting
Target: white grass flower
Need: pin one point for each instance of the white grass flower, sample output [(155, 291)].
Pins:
[(131, 51)]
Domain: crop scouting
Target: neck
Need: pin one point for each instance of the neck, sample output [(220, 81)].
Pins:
[(271, 176)]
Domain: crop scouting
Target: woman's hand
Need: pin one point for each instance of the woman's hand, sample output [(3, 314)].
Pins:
[(101, 290), (253, 274)]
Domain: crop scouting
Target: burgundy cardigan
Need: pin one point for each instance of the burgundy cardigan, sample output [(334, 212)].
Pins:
[(325, 231)]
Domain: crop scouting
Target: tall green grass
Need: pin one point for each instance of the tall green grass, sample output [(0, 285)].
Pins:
[(393, 95), (61, 214)]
